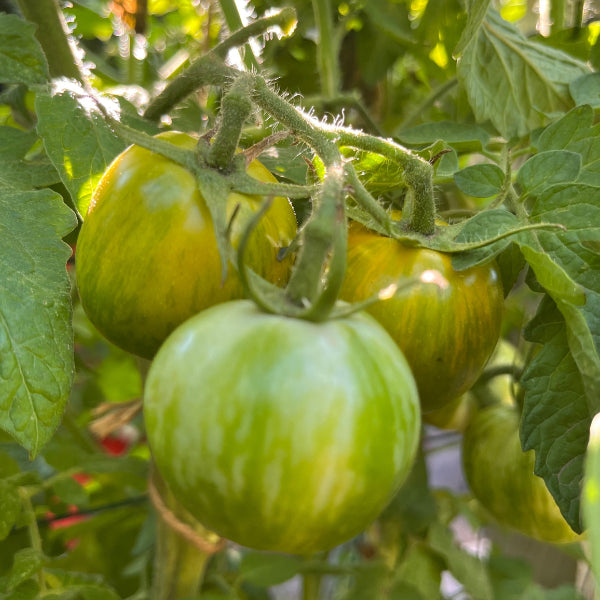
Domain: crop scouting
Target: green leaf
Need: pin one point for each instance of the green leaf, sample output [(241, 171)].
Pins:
[(549, 168), (413, 507), (28, 590), (467, 569), (566, 268), (586, 90), (8, 465), (515, 83), (15, 143), (27, 174), (562, 383), (462, 137), (10, 507), (576, 132), (118, 376), (17, 171), (286, 161), (70, 492), (556, 417), (21, 57), (265, 570), (26, 563), (568, 130), (422, 570), (372, 580), (443, 156), (36, 339), (476, 15), (484, 226), (384, 33), (591, 497), (376, 172), (77, 140), (96, 592), (480, 181), (406, 591), (511, 263)]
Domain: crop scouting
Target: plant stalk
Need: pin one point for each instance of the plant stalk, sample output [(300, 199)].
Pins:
[(179, 564), (419, 207), (236, 107), (311, 583), (33, 529), (53, 35), (557, 14), (327, 56), (210, 70), (234, 23)]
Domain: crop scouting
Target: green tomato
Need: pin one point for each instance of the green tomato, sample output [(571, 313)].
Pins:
[(447, 334), (281, 434), (458, 413), (147, 256), (501, 477)]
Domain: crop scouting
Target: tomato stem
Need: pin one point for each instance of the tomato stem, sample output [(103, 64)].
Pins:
[(52, 34), (210, 70), (317, 236), (181, 156), (323, 238), (179, 564), (236, 108), (311, 584), (327, 51), (30, 520), (366, 201), (419, 208), (234, 22), (242, 182), (285, 20)]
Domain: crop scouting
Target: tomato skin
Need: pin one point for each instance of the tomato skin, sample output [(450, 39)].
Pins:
[(147, 256), (278, 433), (501, 477), (458, 414), (447, 335)]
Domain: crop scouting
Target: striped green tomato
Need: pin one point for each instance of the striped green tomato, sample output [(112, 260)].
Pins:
[(278, 433), (501, 477), (447, 333), (147, 256)]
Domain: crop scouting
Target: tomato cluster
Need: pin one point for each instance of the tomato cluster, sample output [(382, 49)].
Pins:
[(278, 433)]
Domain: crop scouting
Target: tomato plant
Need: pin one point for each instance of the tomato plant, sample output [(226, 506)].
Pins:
[(446, 333), (482, 112), (298, 460), (147, 256), (501, 477)]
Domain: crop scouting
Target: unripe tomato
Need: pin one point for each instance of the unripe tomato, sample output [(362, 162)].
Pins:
[(501, 477), (447, 334), (147, 255), (458, 413), (277, 433)]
